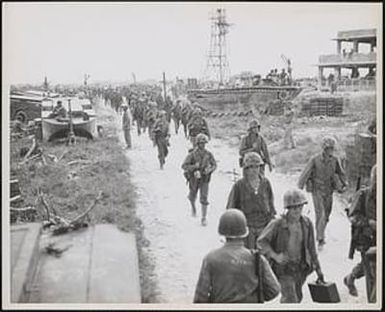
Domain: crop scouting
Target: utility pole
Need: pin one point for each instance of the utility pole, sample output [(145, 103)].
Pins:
[(71, 134)]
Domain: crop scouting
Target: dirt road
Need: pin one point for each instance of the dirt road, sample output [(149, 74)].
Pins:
[(178, 242)]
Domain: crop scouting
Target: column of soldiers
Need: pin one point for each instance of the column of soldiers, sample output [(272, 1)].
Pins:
[(286, 245)]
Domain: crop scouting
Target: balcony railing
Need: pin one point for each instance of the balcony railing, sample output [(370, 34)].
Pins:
[(353, 84), (348, 58)]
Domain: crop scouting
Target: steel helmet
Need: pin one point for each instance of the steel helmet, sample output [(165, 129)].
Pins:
[(328, 141), (233, 224), (252, 159), (202, 138), (293, 197), (254, 123), (162, 113)]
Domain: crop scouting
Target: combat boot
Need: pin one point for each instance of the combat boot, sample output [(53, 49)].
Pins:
[(204, 215), (349, 283)]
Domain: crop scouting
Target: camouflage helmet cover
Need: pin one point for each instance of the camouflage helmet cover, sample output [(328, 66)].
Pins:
[(202, 138), (252, 159), (328, 141), (254, 124), (293, 197)]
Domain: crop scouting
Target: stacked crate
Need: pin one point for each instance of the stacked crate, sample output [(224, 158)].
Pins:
[(276, 108), (323, 106)]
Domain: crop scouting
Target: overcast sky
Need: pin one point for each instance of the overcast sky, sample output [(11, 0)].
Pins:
[(109, 41)]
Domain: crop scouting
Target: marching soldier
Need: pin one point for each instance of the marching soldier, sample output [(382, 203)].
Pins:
[(288, 140), (289, 242), (126, 126), (161, 137), (254, 142), (177, 115), (362, 215), (322, 175), (186, 112), (254, 196), (198, 166), (196, 125), (228, 274)]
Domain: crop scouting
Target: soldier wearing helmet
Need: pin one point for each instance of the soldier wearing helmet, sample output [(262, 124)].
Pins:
[(198, 167), (323, 175), (363, 215), (197, 124), (126, 123), (185, 116), (254, 142), (176, 112), (161, 137), (253, 195), (228, 274), (288, 242)]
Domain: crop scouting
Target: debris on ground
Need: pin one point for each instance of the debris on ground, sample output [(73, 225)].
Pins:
[(54, 250), (60, 225)]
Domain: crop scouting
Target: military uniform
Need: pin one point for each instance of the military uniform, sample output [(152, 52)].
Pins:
[(161, 135), (228, 275), (176, 116), (298, 243), (126, 128), (197, 125), (254, 143), (322, 175), (198, 161), (362, 210), (288, 140), (258, 207)]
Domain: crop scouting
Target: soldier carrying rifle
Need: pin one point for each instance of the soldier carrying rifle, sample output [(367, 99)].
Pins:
[(362, 215)]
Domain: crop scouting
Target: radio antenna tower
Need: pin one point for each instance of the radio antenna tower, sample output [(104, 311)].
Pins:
[(217, 67)]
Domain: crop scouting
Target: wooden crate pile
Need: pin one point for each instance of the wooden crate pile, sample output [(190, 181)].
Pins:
[(323, 106), (276, 108)]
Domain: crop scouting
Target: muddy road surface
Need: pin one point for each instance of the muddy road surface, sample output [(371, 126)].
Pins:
[(178, 242)]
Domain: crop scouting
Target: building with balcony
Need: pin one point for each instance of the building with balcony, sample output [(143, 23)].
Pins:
[(354, 61)]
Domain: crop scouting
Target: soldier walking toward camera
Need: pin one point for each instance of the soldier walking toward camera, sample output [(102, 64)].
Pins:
[(254, 142), (197, 124), (228, 274), (126, 126), (185, 117), (289, 242), (362, 214), (253, 195), (323, 174), (161, 137), (288, 140), (176, 115), (198, 166)]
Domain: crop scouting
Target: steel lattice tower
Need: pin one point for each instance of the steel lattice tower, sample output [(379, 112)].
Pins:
[(217, 67)]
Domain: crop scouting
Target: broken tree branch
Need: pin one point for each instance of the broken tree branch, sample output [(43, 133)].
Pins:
[(62, 155), (31, 149), (30, 158), (24, 209), (82, 215)]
